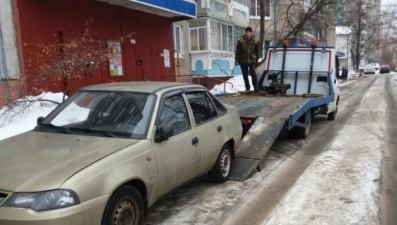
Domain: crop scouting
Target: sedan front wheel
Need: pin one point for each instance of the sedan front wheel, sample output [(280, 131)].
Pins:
[(125, 207)]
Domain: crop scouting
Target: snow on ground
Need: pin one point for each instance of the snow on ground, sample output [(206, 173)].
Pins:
[(233, 85), (395, 83), (341, 186), (23, 116), (342, 30)]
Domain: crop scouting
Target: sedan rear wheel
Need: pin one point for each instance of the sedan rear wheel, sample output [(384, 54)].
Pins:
[(221, 171)]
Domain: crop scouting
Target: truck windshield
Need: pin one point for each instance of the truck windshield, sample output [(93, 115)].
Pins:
[(102, 113)]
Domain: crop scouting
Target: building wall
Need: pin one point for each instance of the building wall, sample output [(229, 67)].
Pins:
[(342, 44), (8, 41), (12, 89), (295, 12), (184, 67), (149, 35), (10, 84), (212, 61)]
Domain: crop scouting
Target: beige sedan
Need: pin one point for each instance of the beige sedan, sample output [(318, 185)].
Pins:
[(110, 151)]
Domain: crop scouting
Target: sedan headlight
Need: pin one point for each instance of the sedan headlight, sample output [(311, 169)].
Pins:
[(42, 201)]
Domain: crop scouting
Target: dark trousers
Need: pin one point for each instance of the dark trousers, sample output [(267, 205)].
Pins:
[(244, 69)]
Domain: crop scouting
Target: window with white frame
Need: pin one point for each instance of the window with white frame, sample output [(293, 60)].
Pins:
[(198, 35), (178, 39), (221, 36), (255, 8), (320, 34)]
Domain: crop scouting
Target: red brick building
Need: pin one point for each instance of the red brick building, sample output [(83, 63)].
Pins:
[(147, 53)]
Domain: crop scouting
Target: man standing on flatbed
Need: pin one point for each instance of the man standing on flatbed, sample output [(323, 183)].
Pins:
[(247, 55)]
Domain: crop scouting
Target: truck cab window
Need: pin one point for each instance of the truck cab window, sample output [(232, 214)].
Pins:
[(202, 107), (174, 114)]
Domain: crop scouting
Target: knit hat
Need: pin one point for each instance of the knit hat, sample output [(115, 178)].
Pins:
[(248, 29)]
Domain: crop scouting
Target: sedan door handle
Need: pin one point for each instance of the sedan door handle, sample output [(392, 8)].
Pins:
[(219, 128), (195, 141)]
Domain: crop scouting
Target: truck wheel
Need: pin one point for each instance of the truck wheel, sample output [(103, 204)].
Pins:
[(221, 171), (124, 207), (300, 132), (332, 115)]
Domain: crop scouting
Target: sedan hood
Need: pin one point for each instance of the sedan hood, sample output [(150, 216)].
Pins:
[(36, 161)]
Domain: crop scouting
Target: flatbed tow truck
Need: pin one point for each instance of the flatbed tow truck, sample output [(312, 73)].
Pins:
[(297, 84)]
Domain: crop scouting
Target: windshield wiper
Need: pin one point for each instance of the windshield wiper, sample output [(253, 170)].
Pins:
[(89, 130), (59, 128)]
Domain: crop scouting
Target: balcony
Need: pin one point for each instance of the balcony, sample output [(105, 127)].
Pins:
[(173, 9)]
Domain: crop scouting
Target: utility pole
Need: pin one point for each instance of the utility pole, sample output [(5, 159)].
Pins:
[(274, 22)]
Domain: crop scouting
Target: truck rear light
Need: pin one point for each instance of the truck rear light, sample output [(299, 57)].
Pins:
[(247, 121)]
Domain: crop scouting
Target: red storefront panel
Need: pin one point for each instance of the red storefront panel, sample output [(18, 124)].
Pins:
[(145, 38)]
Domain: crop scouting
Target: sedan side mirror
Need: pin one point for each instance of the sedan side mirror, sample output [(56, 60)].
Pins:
[(40, 120), (163, 133)]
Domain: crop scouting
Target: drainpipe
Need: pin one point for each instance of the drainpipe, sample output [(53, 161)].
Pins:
[(3, 69), (178, 66)]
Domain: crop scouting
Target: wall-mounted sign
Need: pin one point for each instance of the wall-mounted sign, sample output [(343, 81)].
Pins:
[(167, 60), (115, 59)]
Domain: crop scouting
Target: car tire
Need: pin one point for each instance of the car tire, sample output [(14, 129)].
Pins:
[(221, 171), (332, 115), (124, 207)]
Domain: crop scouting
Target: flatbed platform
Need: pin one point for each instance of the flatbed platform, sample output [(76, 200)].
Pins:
[(252, 106), (270, 114)]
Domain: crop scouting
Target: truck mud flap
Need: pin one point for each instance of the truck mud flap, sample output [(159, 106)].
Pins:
[(254, 147)]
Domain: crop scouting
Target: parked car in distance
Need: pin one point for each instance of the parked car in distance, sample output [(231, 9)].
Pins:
[(110, 151), (376, 66), (384, 69), (370, 68)]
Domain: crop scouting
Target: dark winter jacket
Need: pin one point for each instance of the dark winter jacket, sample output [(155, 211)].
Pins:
[(247, 51)]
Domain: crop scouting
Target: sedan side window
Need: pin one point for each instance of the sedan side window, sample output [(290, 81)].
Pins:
[(221, 109), (174, 114), (202, 107)]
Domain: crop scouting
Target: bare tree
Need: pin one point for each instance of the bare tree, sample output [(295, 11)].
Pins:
[(364, 21), (318, 11), (295, 16), (389, 37), (68, 60)]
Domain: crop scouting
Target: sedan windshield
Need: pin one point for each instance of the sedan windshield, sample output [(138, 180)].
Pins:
[(102, 113)]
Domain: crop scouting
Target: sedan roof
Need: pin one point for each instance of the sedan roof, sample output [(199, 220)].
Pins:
[(139, 86)]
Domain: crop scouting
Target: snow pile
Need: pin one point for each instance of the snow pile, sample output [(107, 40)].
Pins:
[(342, 30), (22, 116), (233, 85)]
